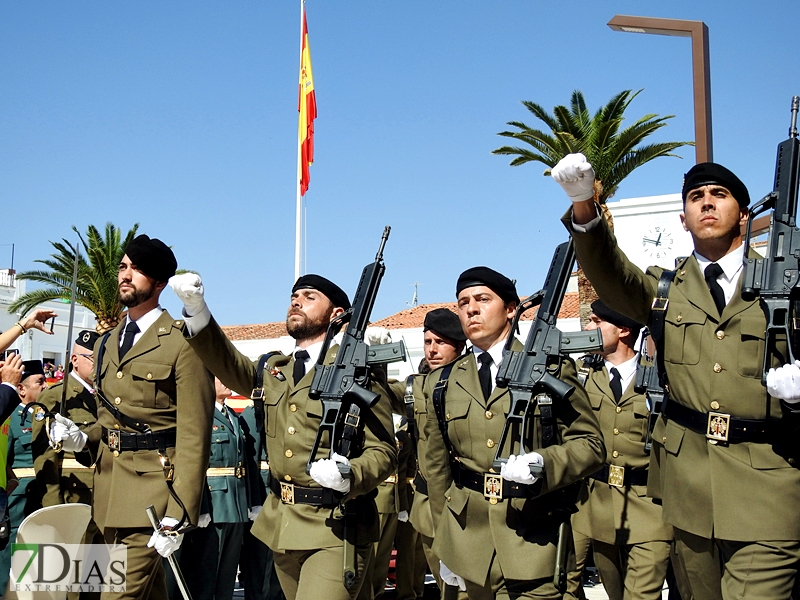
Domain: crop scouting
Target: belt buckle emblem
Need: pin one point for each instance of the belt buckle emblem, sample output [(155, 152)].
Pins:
[(287, 493), (718, 426), (238, 472), (616, 476), (113, 440), (492, 487)]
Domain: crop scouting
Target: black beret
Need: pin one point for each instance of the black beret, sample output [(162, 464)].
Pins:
[(497, 282), (444, 322), (152, 257), (709, 173), (316, 282), (613, 317), (87, 338), (31, 367)]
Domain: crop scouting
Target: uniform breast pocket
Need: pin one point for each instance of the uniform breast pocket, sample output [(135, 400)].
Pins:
[(641, 416), (751, 349), (271, 414), (152, 385), (683, 333), (456, 415), (219, 447)]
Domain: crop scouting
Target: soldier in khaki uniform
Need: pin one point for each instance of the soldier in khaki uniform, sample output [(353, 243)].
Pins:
[(502, 548), (301, 521), (734, 503), (631, 541), (150, 375)]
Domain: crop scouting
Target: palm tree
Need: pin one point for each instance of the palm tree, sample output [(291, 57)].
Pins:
[(613, 152), (97, 280)]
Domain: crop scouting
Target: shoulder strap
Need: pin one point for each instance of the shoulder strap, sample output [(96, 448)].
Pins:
[(438, 406), (257, 395), (410, 417), (658, 314)]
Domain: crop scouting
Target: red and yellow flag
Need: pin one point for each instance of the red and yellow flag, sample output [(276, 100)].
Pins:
[(307, 106)]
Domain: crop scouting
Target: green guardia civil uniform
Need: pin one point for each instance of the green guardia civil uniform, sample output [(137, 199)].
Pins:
[(505, 548), (731, 503), (63, 477), (305, 538), (630, 539), (160, 382)]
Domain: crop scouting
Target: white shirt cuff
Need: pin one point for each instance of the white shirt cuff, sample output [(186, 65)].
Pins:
[(198, 322)]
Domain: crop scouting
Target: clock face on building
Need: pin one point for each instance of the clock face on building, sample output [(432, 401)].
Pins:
[(657, 242)]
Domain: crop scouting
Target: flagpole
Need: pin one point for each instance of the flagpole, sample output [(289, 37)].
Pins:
[(298, 228)]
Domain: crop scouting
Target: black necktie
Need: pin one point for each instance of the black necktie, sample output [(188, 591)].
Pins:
[(130, 332), (713, 271), (616, 384), (485, 374), (299, 365)]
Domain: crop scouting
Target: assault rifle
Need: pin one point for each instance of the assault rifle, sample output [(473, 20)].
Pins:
[(343, 387), (528, 374), (775, 279), (649, 383)]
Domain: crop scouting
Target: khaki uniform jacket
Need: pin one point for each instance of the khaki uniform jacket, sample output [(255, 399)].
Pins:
[(469, 529), (74, 483), (740, 492), (161, 382), (615, 515), (292, 421)]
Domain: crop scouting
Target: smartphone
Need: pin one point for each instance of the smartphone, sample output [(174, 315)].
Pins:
[(52, 323), (8, 353)]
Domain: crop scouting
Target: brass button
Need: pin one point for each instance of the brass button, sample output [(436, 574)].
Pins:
[(490, 443), (117, 400), (447, 416), (116, 425), (288, 454), (492, 500), (489, 414), (715, 405), (679, 318), (447, 498), (618, 409), (292, 430), (287, 477), (615, 454), (616, 431), (293, 407), (720, 335), (149, 375), (119, 374), (717, 368), (116, 453), (791, 461), (664, 440)]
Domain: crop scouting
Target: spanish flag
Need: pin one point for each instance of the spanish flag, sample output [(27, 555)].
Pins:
[(307, 106)]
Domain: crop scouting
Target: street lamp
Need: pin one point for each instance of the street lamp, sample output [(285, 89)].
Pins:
[(698, 31)]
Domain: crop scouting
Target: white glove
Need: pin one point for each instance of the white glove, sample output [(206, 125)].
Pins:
[(377, 335), (65, 431), (451, 578), (402, 516), (784, 383), (204, 521), (189, 289), (252, 513), (576, 175), (518, 467), (326, 473), (163, 543)]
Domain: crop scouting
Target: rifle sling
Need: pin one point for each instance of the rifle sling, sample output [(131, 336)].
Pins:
[(658, 316), (438, 407)]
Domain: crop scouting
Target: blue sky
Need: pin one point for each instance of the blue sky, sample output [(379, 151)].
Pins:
[(182, 116)]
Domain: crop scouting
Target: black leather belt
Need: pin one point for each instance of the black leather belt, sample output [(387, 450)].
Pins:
[(290, 493), (420, 484), (722, 427), (617, 476), (121, 441), (493, 487)]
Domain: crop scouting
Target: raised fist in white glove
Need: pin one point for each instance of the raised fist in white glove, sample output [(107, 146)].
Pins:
[(252, 513), (518, 467), (576, 175), (65, 431), (204, 521), (451, 578), (377, 336), (784, 383), (326, 473), (189, 289), (165, 544)]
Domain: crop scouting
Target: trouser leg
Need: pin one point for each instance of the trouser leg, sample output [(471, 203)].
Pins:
[(702, 563), (315, 574), (144, 577), (230, 545), (645, 570), (761, 570), (575, 576)]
